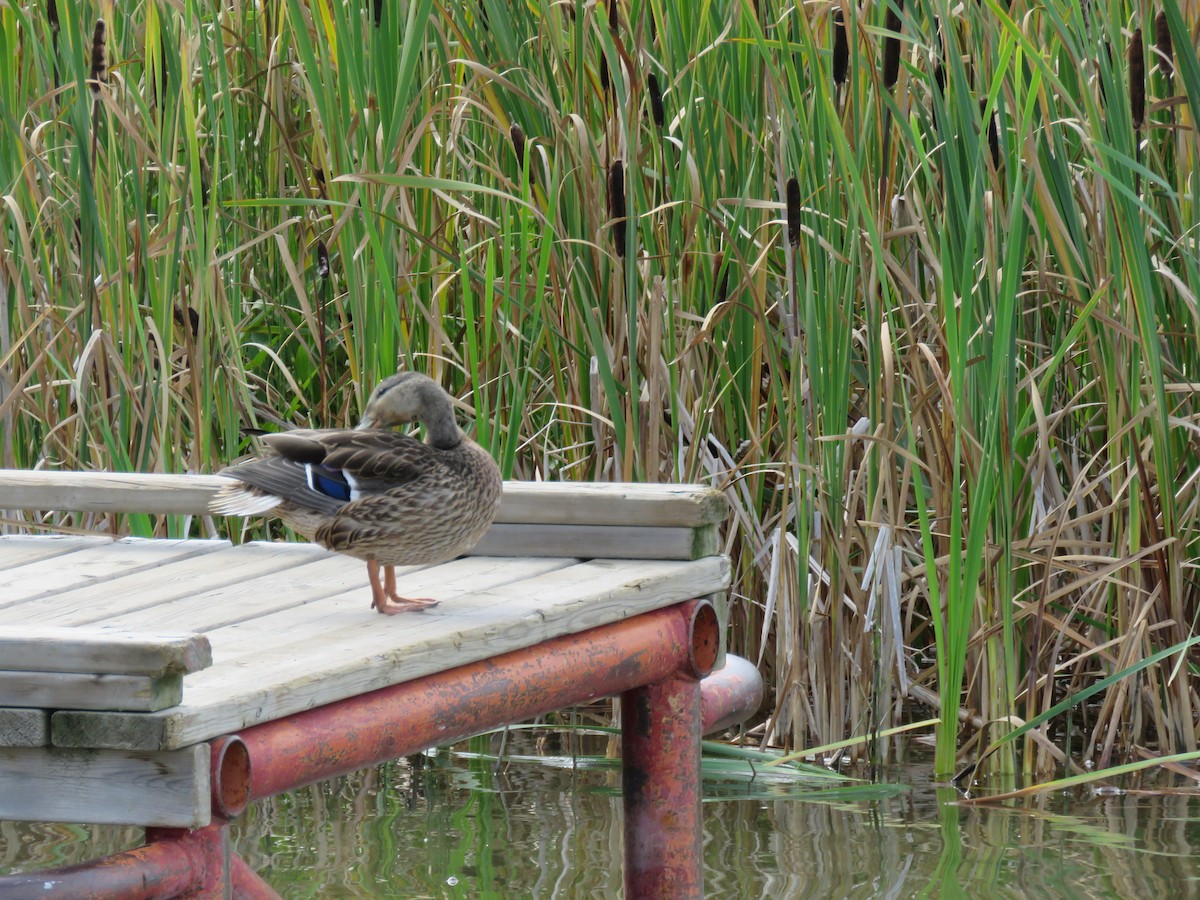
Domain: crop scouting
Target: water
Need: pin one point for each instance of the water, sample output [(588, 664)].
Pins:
[(448, 825)]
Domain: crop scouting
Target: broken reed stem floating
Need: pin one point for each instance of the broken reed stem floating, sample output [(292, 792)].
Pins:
[(616, 205), (1163, 46), (841, 48), (1137, 80), (793, 212), (891, 45), (656, 101), (517, 136)]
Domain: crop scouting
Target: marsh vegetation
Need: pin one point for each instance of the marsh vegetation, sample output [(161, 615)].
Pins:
[(913, 283)]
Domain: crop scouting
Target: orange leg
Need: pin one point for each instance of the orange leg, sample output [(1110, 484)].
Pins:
[(384, 597)]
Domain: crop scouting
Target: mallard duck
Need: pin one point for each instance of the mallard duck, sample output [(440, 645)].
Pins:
[(376, 494)]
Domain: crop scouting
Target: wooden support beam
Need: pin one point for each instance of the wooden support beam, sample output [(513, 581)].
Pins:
[(553, 503), (24, 728), (112, 787), (92, 650), (70, 690)]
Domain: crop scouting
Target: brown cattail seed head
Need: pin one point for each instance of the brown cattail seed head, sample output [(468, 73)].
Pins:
[(891, 47), (841, 48), (939, 68), (99, 57), (322, 260), (1137, 80), (1162, 42), (656, 101), (518, 141), (616, 204), (612, 16), (993, 135), (793, 211), (720, 280)]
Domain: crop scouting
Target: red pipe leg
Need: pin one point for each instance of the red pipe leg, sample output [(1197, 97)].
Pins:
[(660, 750), (174, 864), (247, 885)]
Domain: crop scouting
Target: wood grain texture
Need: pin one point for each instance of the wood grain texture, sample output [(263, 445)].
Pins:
[(95, 564), (21, 549), (68, 690), (24, 728), (555, 503), (227, 568), (604, 541), (39, 648), (368, 652), (49, 784)]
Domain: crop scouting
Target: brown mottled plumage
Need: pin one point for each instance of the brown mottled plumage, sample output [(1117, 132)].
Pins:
[(376, 494)]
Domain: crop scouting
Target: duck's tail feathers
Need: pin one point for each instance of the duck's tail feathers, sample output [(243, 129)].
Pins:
[(240, 499)]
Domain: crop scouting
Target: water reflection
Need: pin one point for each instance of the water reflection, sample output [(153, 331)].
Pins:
[(451, 826)]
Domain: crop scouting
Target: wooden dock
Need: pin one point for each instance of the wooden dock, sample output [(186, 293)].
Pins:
[(123, 661)]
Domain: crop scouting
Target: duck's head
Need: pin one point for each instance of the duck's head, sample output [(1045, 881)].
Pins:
[(408, 397)]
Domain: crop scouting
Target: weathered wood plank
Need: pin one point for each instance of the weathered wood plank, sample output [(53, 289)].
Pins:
[(598, 541), (322, 577), (69, 690), (102, 651), (24, 728), (96, 564), (556, 503), (297, 623), (49, 784), (224, 568), (21, 549), (374, 652)]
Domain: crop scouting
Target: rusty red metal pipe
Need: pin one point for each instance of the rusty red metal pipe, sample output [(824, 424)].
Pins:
[(438, 709), (730, 695), (660, 781), (175, 863)]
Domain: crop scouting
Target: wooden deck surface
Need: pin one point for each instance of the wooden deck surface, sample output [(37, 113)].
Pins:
[(291, 627), (121, 659)]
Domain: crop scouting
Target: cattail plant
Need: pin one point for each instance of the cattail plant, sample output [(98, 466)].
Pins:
[(891, 46), (993, 133), (1163, 46), (52, 18), (97, 79), (1137, 80), (616, 204), (517, 136), (99, 72), (656, 101), (939, 58), (841, 48), (793, 212), (791, 311)]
